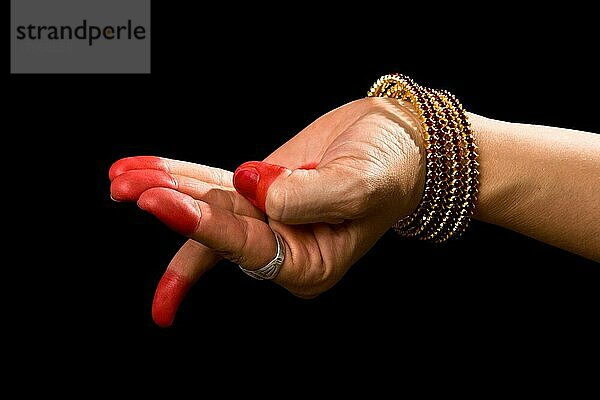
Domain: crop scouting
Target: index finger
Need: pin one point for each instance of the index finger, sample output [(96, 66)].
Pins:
[(212, 175)]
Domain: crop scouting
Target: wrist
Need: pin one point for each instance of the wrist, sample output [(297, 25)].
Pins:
[(409, 170), (500, 184), (450, 187)]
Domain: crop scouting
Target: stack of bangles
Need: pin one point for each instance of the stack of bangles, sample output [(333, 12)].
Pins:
[(451, 165)]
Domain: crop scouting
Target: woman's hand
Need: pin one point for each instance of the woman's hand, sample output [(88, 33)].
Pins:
[(331, 192)]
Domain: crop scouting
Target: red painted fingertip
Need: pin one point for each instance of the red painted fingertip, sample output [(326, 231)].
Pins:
[(131, 184), (178, 211), (245, 181), (170, 292), (141, 162), (252, 180)]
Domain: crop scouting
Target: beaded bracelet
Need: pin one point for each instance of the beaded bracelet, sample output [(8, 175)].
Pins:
[(451, 166)]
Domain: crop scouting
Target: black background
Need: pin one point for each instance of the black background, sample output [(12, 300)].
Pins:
[(221, 96)]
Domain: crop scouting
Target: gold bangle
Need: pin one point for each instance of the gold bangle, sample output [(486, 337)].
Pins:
[(451, 176)]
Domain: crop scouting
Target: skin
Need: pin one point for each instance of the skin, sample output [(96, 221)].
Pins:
[(170, 292), (130, 185), (541, 181), (253, 180), (333, 190)]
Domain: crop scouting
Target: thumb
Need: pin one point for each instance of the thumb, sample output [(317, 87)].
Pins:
[(299, 196)]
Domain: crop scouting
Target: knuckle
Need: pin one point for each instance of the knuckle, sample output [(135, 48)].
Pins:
[(317, 279), (217, 177), (279, 203), (311, 280)]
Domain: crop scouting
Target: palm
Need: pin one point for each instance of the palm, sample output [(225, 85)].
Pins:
[(364, 147)]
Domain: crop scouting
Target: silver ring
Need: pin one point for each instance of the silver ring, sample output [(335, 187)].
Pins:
[(270, 270)]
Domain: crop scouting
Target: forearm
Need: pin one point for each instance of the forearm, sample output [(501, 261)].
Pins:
[(540, 181)]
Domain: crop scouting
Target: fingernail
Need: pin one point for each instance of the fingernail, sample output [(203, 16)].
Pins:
[(245, 181), (170, 292), (178, 211), (252, 180)]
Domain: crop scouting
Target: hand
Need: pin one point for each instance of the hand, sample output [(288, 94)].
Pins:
[(331, 192)]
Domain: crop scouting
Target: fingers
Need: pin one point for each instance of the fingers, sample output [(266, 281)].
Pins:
[(204, 173), (316, 255), (177, 210), (144, 162), (243, 240), (131, 184), (328, 194), (218, 196), (188, 265)]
